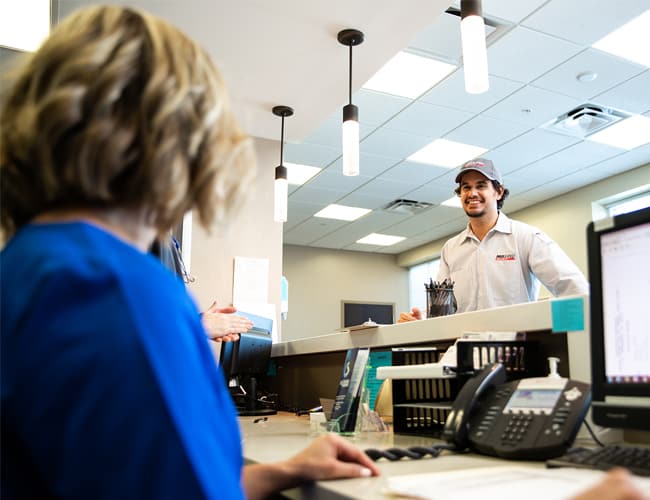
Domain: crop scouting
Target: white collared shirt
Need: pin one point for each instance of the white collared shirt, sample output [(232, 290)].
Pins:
[(507, 266)]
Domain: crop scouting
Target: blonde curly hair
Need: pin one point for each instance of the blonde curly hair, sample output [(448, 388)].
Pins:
[(120, 109)]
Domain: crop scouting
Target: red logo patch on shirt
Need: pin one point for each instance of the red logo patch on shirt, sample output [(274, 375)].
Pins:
[(505, 256)]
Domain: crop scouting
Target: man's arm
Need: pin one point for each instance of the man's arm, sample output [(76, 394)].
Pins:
[(553, 267)]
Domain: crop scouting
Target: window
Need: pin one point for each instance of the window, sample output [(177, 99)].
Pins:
[(418, 276), (630, 204), (621, 203)]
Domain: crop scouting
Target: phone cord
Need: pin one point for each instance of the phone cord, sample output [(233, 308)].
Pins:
[(414, 452)]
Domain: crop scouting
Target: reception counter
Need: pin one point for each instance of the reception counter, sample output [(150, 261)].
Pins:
[(309, 368)]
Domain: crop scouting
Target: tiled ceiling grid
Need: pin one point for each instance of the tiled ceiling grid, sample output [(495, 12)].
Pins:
[(535, 54)]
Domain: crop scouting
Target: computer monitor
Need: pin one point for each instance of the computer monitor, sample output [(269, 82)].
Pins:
[(244, 361), (619, 273)]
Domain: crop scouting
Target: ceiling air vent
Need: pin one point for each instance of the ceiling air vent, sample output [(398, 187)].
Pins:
[(585, 120), (410, 207)]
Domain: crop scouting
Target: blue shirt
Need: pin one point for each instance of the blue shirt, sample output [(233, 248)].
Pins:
[(108, 387)]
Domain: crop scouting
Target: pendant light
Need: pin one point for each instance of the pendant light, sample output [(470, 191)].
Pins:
[(281, 188), (472, 33), (350, 37)]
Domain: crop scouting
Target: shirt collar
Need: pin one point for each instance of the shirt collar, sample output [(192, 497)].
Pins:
[(503, 225)]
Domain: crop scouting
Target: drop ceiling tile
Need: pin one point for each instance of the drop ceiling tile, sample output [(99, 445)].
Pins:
[(393, 144), (632, 95), (510, 10), (311, 230), (308, 194), (441, 38), (390, 189), (333, 179), (358, 247), (413, 172), (528, 148), (512, 205), (362, 200), (330, 134), (425, 119), (374, 222), (584, 21), (298, 212), (524, 55), (532, 106), (451, 93), (422, 222), (610, 71), (431, 192), (565, 162), (310, 154), (487, 132), (627, 160), (376, 108), (369, 164)]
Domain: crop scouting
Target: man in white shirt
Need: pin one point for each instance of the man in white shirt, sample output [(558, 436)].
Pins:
[(497, 261)]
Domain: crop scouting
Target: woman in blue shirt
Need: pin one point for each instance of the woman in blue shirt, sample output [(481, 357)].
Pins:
[(113, 129)]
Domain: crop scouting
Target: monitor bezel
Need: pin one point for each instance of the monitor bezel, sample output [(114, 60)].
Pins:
[(601, 387)]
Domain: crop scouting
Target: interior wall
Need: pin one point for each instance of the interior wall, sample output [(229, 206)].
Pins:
[(250, 233), (320, 278)]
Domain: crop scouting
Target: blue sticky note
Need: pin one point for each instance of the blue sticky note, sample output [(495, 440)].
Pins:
[(568, 315)]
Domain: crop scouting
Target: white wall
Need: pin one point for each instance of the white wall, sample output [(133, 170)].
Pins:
[(320, 278), (251, 233)]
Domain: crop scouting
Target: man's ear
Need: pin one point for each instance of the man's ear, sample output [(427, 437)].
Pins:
[(501, 190)]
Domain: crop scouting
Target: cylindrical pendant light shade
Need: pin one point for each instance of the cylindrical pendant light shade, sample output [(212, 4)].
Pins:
[(350, 143), (281, 189), (350, 140), (475, 64)]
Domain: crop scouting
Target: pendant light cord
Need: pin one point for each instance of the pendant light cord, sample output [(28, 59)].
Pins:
[(282, 142), (350, 79)]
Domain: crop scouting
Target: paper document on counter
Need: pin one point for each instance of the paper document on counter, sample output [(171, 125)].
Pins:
[(504, 483)]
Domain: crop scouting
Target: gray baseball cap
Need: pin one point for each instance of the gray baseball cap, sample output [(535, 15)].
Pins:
[(482, 166)]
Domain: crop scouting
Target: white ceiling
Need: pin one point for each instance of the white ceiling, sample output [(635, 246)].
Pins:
[(286, 52), (535, 54)]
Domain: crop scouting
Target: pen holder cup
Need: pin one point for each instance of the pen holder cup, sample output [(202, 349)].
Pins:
[(440, 302)]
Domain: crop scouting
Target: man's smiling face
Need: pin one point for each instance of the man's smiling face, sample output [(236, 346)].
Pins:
[(478, 195)]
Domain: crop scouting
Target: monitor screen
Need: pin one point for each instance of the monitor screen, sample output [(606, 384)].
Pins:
[(619, 273)]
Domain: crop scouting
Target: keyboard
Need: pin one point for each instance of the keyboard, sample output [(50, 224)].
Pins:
[(634, 458)]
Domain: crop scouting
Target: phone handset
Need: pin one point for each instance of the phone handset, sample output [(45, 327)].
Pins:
[(456, 426)]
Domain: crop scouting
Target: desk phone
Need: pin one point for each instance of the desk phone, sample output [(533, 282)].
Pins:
[(528, 419)]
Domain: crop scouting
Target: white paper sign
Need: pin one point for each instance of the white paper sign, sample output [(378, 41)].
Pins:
[(251, 281)]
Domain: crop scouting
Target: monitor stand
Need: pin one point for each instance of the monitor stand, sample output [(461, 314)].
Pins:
[(251, 408)]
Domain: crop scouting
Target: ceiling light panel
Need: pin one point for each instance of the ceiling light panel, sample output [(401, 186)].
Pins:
[(384, 240), (626, 134), (630, 41), (408, 75), (445, 153), (298, 174), (342, 212), (454, 201), (24, 25)]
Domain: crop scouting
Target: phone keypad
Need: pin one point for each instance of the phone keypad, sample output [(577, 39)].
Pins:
[(516, 428)]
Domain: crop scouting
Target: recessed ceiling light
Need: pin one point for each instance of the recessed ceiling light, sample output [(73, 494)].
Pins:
[(445, 153), (299, 174), (625, 134), (24, 25), (342, 212), (408, 75), (630, 41), (454, 201), (384, 240)]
